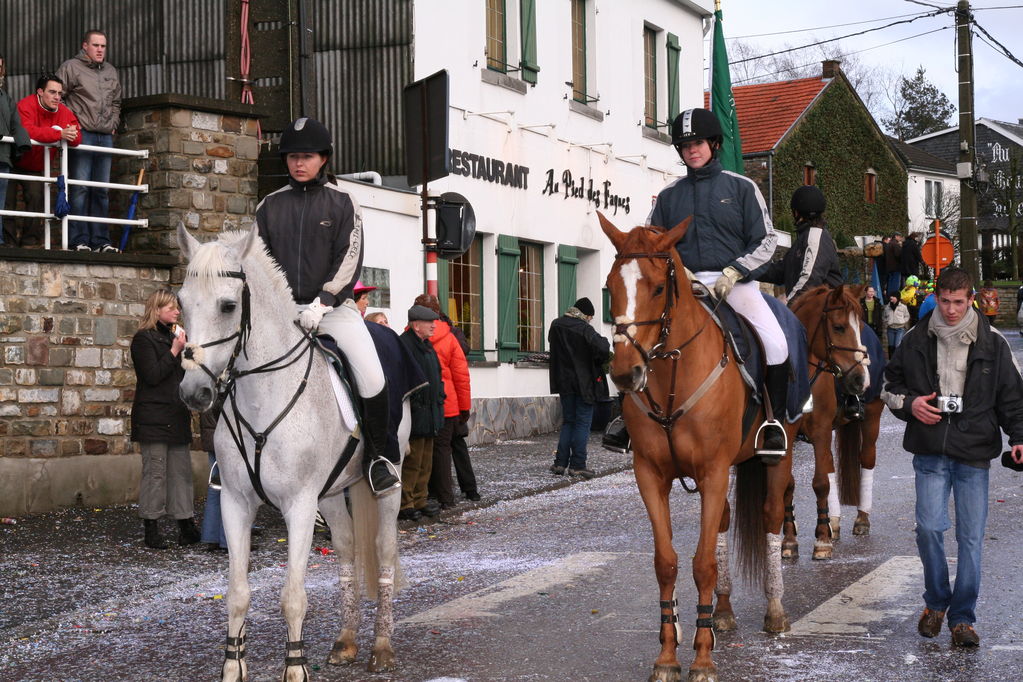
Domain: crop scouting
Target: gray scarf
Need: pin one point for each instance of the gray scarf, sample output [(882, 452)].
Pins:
[(575, 312), (953, 348)]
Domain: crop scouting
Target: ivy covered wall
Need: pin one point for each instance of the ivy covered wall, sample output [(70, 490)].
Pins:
[(839, 138)]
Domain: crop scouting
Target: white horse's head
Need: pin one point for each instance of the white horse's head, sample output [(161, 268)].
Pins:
[(212, 305)]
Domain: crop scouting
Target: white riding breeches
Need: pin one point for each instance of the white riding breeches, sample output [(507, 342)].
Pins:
[(747, 300), (345, 325)]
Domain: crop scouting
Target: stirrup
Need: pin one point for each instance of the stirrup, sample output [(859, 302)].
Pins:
[(770, 455), (391, 469), (214, 479), (854, 409)]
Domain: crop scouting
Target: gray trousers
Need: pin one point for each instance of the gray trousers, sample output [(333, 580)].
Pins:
[(166, 486)]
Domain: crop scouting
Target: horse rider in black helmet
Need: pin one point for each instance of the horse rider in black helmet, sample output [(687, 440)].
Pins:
[(730, 237), (313, 229)]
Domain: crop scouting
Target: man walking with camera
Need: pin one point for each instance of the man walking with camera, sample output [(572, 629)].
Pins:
[(954, 382)]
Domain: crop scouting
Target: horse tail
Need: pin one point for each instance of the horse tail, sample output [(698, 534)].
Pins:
[(366, 523), (850, 442), (750, 529)]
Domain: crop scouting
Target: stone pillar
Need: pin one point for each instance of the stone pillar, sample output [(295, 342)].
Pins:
[(202, 165)]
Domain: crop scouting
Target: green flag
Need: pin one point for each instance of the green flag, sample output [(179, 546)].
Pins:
[(721, 101)]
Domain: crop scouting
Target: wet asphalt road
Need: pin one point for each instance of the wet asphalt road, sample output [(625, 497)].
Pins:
[(550, 586)]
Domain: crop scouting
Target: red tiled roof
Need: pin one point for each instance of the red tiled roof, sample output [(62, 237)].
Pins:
[(767, 110)]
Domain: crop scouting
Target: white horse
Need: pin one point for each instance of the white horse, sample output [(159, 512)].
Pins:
[(278, 440)]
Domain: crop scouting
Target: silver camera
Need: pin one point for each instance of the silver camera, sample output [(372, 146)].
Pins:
[(950, 404)]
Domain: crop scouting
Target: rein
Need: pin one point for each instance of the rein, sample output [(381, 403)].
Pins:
[(668, 415), (226, 385), (828, 364)]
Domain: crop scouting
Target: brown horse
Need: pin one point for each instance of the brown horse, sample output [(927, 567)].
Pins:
[(836, 354), (684, 407)]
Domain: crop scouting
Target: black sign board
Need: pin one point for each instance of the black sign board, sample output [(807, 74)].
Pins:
[(456, 225), (426, 129)]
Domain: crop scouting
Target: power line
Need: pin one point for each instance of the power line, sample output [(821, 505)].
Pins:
[(1004, 50), (844, 54), (821, 28), (851, 35)]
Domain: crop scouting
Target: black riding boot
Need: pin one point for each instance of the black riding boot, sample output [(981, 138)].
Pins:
[(853, 408), (188, 532), (378, 469), (153, 538), (616, 436), (774, 443)]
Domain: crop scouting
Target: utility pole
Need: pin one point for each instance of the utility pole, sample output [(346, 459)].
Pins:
[(965, 169)]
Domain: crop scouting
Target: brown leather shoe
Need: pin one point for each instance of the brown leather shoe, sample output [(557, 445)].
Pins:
[(930, 623), (964, 635)]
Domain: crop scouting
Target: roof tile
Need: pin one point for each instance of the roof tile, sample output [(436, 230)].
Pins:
[(767, 110)]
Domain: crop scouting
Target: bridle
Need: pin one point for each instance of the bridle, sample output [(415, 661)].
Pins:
[(828, 363), (226, 382), (667, 415)]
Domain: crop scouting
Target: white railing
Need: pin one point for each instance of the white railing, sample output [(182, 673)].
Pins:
[(47, 213)]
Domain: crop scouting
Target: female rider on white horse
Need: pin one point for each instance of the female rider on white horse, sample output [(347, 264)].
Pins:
[(313, 229)]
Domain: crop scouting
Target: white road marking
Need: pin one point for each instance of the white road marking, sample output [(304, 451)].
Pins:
[(886, 592), (486, 603)]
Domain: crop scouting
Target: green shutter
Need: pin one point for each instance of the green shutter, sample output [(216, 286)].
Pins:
[(443, 276), (527, 10), (606, 300), (507, 298), (567, 262), (674, 55)]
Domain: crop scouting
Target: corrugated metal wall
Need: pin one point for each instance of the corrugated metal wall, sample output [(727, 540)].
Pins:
[(363, 61), (157, 45)]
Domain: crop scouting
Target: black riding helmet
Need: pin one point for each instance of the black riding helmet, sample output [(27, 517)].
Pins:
[(307, 135), (808, 201), (695, 124)]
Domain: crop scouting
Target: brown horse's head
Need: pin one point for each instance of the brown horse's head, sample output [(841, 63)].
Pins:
[(643, 287), (832, 321)]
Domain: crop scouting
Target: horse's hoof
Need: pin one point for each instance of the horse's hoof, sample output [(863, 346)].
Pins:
[(790, 550), (231, 671), (724, 622), (776, 624), (666, 673), (823, 552), (836, 528), (341, 654), (703, 675), (862, 524), (381, 662)]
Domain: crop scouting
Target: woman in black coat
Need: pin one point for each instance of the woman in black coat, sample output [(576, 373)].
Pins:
[(161, 423)]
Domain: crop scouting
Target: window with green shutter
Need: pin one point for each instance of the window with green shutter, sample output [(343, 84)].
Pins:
[(529, 66), (507, 298), (497, 36), (530, 301), (579, 51), (650, 77), (674, 57), (568, 262), (460, 283)]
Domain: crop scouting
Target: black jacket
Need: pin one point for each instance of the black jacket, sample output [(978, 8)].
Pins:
[(911, 258), (577, 355), (314, 232), (992, 400), (878, 322), (427, 403), (157, 413), (893, 256), (812, 261)]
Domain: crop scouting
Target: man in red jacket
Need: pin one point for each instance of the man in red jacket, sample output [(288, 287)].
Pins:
[(46, 120)]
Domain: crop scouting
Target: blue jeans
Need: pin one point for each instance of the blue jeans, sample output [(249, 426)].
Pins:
[(4, 168), (90, 201), (212, 525), (936, 476), (576, 417), (894, 339), (894, 284)]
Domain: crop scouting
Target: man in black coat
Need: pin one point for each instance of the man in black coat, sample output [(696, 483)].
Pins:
[(912, 259), (578, 353), (427, 404)]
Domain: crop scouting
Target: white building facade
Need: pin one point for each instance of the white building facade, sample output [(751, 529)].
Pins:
[(557, 110)]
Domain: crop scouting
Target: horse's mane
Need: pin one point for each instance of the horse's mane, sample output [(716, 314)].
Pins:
[(210, 260), (813, 297)]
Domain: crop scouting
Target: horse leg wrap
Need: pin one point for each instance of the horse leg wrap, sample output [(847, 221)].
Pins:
[(823, 520), (672, 617), (385, 603), (724, 585), (349, 598), (790, 517), (774, 588), (834, 506), (866, 490), (289, 660), (238, 653), (704, 620)]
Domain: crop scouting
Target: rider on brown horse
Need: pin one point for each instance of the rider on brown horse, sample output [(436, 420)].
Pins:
[(731, 236)]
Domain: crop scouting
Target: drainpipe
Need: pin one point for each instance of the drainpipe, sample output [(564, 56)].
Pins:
[(364, 176), (770, 184)]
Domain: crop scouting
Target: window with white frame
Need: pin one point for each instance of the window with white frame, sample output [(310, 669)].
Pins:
[(933, 198), (650, 76), (503, 32), (461, 288)]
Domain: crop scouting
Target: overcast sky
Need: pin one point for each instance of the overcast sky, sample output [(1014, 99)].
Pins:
[(998, 81)]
